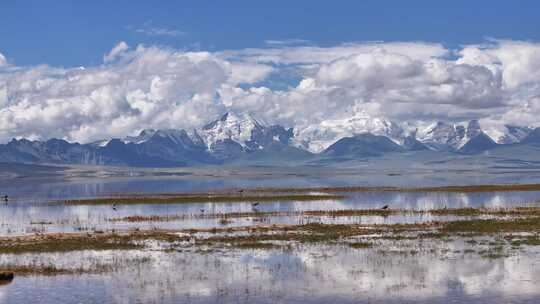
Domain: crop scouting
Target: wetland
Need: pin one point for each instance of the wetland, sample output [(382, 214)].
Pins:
[(216, 240)]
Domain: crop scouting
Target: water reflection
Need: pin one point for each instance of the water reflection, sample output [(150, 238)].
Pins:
[(89, 184), (312, 274), (305, 274), (27, 218)]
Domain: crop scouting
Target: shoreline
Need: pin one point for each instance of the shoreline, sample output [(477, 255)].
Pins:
[(269, 194)]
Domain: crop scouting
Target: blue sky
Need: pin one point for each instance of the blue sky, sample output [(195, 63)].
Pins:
[(328, 69), (73, 33)]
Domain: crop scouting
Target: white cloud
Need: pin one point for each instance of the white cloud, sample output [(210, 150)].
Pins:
[(150, 87), (150, 29), (120, 48), (518, 61), (287, 42), (306, 55), (3, 60), (157, 87), (159, 31)]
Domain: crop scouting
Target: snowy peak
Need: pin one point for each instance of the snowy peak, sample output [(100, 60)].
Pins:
[(318, 137), (473, 129), (233, 119), (441, 135), (233, 135), (507, 134), (176, 136), (230, 126), (238, 137), (145, 135), (455, 136)]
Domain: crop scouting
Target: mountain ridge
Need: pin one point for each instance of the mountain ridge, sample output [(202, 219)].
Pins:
[(235, 137)]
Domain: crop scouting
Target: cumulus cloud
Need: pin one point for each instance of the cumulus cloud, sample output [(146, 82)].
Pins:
[(116, 51), (159, 87), (3, 61), (147, 87), (308, 55)]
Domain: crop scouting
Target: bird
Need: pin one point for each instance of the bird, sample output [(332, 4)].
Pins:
[(255, 204), (6, 276), (241, 190), (384, 207), (6, 198), (114, 207), (202, 210)]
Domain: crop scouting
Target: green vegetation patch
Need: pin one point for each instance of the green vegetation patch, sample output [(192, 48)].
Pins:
[(361, 245), (79, 242), (257, 245), (492, 226), (527, 241)]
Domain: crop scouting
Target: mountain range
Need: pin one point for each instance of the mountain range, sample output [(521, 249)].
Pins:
[(241, 137)]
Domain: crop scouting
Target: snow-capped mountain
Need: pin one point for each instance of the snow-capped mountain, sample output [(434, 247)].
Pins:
[(507, 134), (442, 136), (234, 134), (318, 137), (445, 136), (230, 126), (145, 135), (242, 137)]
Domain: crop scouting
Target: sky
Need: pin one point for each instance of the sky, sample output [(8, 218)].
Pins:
[(69, 68)]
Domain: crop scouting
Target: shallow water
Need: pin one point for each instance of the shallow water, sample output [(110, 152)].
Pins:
[(425, 272), (310, 274), (17, 218), (103, 181)]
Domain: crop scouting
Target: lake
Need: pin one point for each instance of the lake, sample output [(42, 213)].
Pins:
[(390, 269)]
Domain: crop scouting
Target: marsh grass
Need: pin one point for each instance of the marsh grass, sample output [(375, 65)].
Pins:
[(459, 189), (50, 269), (46, 270), (458, 212), (256, 245), (67, 244), (84, 241), (492, 226), (528, 241), (185, 199), (263, 236), (361, 245)]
